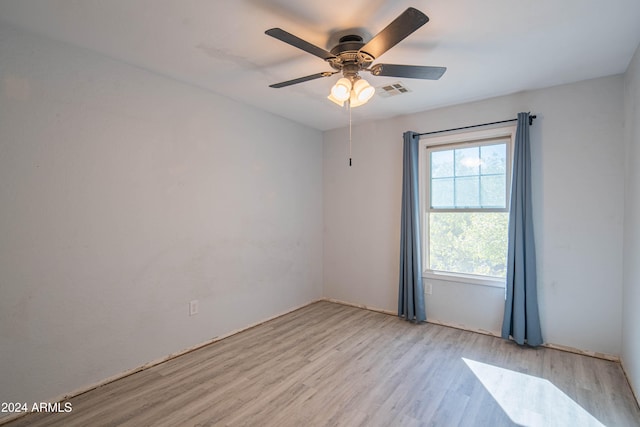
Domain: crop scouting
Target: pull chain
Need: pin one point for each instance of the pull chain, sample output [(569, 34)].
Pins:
[(349, 132)]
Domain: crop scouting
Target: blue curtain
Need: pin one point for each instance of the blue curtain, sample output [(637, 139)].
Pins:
[(521, 319), (411, 294)]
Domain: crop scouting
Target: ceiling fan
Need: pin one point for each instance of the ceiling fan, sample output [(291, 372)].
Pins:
[(352, 55)]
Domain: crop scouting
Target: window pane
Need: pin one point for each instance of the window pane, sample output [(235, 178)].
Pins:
[(442, 193), (442, 164), (467, 161), (467, 192), (494, 159), (472, 177), (493, 191), (468, 242)]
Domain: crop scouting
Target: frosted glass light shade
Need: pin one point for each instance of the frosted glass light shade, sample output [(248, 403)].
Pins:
[(363, 90), (333, 99), (342, 89), (354, 101)]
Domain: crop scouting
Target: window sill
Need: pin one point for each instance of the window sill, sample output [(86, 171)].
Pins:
[(464, 278)]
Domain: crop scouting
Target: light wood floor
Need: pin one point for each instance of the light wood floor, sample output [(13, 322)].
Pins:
[(333, 365)]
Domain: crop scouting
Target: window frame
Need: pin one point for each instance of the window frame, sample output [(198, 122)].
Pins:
[(448, 142)]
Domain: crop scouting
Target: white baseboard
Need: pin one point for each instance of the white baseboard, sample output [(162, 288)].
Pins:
[(366, 307), (636, 395), (597, 355)]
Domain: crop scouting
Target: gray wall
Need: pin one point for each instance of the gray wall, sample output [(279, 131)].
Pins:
[(578, 189), (124, 195), (631, 290)]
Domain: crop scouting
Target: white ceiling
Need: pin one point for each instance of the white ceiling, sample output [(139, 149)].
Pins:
[(490, 47)]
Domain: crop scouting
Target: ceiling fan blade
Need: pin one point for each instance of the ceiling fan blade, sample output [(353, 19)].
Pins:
[(408, 71), (405, 24), (294, 41), (303, 79)]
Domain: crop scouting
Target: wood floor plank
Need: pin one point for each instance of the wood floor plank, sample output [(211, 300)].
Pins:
[(334, 365)]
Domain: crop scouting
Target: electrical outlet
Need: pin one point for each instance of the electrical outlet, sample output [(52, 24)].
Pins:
[(428, 288), (193, 307)]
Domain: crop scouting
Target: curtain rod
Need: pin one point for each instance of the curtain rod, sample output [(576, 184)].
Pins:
[(475, 126)]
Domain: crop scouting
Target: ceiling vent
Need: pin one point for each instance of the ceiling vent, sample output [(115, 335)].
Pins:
[(392, 89)]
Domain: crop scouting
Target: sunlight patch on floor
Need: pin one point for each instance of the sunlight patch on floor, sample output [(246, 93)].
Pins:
[(529, 400)]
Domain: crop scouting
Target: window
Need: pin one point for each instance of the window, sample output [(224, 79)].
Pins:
[(466, 185)]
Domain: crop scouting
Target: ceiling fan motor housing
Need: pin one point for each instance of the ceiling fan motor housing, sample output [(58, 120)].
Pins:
[(348, 57)]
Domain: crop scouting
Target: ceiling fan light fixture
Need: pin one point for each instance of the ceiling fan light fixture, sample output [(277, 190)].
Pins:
[(341, 90), (363, 90)]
